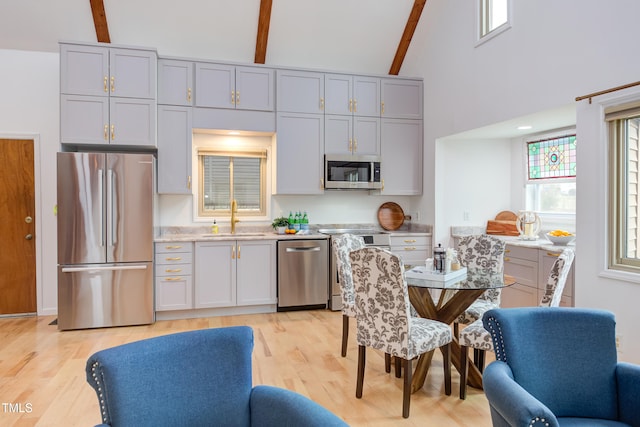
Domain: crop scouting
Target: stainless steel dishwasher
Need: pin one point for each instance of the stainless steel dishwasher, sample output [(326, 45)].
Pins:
[(303, 274)]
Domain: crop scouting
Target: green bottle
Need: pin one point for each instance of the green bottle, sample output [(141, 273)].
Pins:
[(290, 220), (305, 221)]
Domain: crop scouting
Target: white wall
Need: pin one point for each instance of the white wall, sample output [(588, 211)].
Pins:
[(554, 52), (29, 108)]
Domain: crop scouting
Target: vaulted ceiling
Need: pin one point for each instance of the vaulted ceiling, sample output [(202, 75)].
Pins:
[(370, 36)]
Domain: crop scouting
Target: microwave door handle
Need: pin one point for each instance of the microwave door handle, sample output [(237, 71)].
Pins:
[(372, 168)]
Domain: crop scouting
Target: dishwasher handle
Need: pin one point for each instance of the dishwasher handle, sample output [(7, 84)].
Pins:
[(309, 249)]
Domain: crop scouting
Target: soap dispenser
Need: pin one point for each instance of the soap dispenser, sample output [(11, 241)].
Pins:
[(214, 227)]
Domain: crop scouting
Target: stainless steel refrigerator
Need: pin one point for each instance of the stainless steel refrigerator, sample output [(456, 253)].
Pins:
[(105, 240)]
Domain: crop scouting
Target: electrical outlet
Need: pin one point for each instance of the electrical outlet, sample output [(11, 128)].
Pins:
[(465, 216), (619, 343)]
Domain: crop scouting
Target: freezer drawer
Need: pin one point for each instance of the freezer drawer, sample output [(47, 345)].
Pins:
[(303, 278), (94, 296)]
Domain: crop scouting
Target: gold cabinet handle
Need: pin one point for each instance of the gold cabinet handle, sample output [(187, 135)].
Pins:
[(177, 258), (172, 279), (233, 252), (113, 84), (106, 132), (350, 145), (507, 259), (237, 97), (552, 254), (355, 145), (410, 241), (113, 132), (355, 106), (238, 251), (382, 182), (382, 107), (173, 270), (189, 95), (351, 105), (173, 247), (506, 251), (105, 84), (409, 248), (322, 104), (322, 183), (189, 182)]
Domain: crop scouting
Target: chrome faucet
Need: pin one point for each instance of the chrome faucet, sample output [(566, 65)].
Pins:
[(234, 211)]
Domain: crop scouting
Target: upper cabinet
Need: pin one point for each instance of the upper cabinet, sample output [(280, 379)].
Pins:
[(300, 91), (175, 82), (108, 95), (234, 87), (352, 95), (103, 71), (401, 99), (401, 153)]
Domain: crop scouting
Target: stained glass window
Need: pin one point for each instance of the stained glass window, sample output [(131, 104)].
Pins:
[(552, 158)]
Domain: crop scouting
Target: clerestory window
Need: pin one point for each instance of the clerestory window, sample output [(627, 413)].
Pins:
[(493, 18)]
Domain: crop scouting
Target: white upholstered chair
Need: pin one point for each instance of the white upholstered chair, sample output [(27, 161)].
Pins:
[(384, 320), (342, 245), (477, 337)]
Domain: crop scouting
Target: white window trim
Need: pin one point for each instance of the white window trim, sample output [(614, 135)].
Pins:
[(480, 39)]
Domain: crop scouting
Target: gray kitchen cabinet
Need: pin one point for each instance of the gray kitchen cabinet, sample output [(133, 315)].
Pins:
[(107, 95), (299, 153), (352, 95), (173, 276), (106, 71), (351, 135), (401, 99), (174, 149), (412, 248), (522, 264), (235, 273), (103, 120), (300, 91), (175, 82), (234, 87), (401, 151)]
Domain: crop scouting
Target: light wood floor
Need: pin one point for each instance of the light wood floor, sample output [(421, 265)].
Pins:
[(43, 370)]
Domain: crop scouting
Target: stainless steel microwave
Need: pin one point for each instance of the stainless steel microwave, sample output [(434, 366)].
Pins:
[(352, 172)]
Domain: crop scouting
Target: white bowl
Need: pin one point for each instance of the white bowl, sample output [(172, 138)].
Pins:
[(560, 240)]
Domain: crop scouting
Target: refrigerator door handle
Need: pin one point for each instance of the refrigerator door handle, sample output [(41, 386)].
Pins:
[(110, 207), (103, 268), (101, 204)]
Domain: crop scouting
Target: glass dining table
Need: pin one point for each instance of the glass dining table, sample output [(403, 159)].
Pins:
[(440, 298)]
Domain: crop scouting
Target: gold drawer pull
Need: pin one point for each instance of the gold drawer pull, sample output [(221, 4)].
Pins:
[(177, 258), (506, 251), (173, 270), (410, 241), (173, 247), (172, 279), (552, 254), (412, 248), (507, 259)]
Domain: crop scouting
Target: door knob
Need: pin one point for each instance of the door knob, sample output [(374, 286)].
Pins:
[(29, 236), (28, 220)]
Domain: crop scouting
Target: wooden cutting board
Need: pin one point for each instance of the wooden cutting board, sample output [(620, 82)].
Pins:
[(504, 224), (390, 216)]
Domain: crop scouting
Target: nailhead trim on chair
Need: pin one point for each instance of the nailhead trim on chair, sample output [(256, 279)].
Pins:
[(496, 334), (103, 408), (538, 420)]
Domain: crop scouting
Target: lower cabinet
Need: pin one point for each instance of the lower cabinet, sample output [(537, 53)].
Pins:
[(235, 273), (174, 272), (530, 267), (412, 248)]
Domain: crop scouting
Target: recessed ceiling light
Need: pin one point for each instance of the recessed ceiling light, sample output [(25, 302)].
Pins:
[(234, 132), (526, 127)]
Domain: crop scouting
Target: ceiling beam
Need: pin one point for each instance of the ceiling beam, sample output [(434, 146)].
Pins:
[(405, 41), (264, 19), (100, 21)]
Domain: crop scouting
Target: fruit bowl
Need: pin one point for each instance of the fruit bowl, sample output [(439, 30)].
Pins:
[(560, 239)]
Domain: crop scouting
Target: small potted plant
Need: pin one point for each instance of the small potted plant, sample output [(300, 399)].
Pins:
[(280, 224)]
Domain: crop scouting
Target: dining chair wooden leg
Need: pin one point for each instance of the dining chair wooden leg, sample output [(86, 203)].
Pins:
[(406, 389), (446, 361), (362, 358), (387, 363), (345, 334), (456, 330), (464, 369), (478, 359), (398, 364)]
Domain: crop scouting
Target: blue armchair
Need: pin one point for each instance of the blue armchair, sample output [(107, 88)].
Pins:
[(558, 367), (194, 378)]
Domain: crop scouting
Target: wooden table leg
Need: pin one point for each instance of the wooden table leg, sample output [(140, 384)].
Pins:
[(420, 373)]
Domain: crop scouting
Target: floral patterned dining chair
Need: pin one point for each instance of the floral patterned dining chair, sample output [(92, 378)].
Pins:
[(480, 252), (342, 245), (477, 337), (384, 320)]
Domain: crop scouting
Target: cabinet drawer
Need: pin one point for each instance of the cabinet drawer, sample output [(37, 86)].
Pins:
[(164, 270), (410, 240), (174, 258), (525, 272), (512, 251), (169, 247)]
